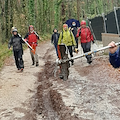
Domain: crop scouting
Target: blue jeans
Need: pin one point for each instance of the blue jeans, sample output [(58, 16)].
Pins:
[(55, 45)]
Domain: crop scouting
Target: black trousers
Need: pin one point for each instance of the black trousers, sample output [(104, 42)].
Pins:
[(70, 51), (76, 39), (18, 59), (87, 48)]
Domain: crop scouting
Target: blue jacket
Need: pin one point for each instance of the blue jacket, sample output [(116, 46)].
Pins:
[(115, 59)]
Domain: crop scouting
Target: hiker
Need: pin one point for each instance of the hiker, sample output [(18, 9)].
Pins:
[(67, 38), (114, 55), (74, 31), (32, 37), (86, 38), (16, 41), (54, 39)]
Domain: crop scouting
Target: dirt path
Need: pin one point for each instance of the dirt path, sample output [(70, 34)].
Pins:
[(92, 92), (17, 89)]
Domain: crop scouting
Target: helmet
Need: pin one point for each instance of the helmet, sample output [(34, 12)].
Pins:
[(83, 22), (14, 30)]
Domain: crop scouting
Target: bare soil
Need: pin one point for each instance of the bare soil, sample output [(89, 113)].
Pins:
[(92, 92)]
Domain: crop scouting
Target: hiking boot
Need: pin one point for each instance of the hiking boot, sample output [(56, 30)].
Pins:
[(72, 62), (61, 76), (21, 69), (89, 61), (37, 64), (33, 63)]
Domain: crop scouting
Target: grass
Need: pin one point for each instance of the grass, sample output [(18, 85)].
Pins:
[(4, 53)]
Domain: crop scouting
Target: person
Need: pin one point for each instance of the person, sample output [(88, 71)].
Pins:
[(32, 37), (74, 31), (86, 38), (16, 41), (54, 39), (114, 55), (67, 38)]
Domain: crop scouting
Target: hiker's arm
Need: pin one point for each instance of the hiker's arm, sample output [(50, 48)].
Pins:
[(10, 43), (91, 35), (37, 35), (78, 33), (73, 39), (26, 36), (52, 39), (114, 58)]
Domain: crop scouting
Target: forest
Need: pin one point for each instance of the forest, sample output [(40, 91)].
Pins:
[(47, 14)]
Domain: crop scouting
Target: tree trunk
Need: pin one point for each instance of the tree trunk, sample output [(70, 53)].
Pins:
[(6, 19)]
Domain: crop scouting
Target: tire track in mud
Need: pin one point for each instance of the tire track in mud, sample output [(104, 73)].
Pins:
[(50, 105)]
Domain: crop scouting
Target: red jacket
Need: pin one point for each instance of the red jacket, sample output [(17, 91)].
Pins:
[(32, 38), (86, 35)]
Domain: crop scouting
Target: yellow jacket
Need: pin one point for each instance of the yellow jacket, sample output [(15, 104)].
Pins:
[(67, 38)]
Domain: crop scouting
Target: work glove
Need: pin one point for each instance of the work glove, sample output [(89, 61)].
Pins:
[(76, 50), (79, 33), (93, 41)]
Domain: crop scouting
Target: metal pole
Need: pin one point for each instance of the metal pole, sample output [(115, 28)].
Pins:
[(85, 54), (116, 20), (104, 19)]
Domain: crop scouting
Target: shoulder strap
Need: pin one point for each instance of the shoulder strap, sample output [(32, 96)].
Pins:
[(70, 33), (62, 34)]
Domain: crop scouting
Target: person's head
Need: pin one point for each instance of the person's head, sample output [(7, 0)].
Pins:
[(14, 31), (73, 24), (55, 30), (31, 28), (65, 27), (83, 23)]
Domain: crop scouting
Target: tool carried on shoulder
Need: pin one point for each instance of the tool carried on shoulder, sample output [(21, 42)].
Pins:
[(63, 60)]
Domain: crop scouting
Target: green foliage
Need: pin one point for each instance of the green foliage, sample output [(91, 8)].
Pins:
[(31, 12), (4, 53), (47, 14)]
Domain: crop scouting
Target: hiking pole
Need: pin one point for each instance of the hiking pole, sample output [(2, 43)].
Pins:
[(85, 54)]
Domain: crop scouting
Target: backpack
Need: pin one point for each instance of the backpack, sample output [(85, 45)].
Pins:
[(70, 34)]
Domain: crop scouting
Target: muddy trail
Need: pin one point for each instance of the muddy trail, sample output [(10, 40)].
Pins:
[(92, 92)]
